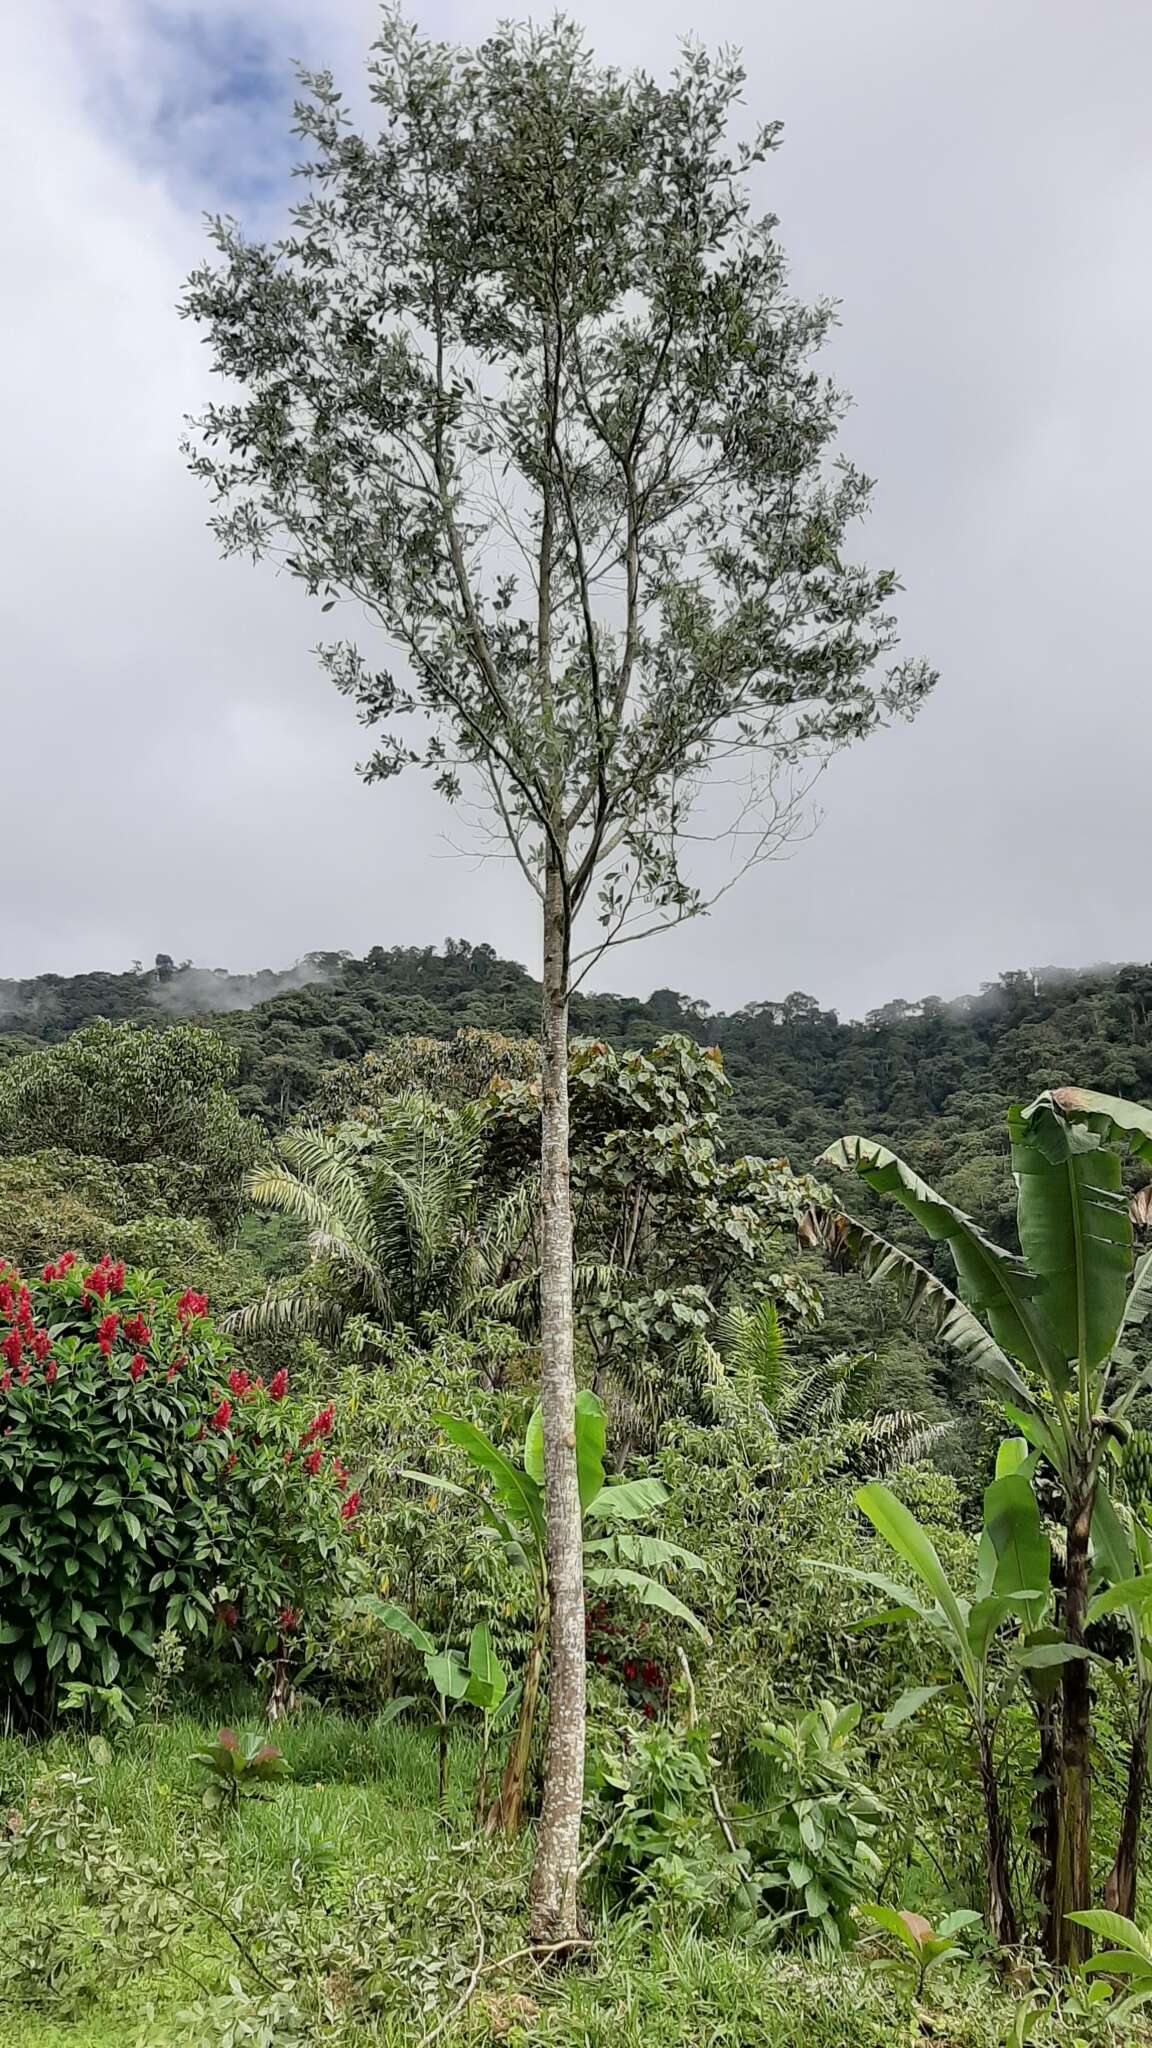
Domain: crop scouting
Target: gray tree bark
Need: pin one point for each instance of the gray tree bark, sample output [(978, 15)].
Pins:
[(555, 1913)]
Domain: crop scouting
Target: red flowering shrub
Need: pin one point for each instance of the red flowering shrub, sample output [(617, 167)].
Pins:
[(135, 1494)]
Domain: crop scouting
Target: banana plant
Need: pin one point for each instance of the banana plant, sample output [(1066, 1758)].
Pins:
[(1129, 1568), (617, 1554), (476, 1678), (1012, 1577), (1052, 1327)]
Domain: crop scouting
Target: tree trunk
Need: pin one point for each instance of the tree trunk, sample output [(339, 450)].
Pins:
[(1001, 1913), (1120, 1886), (555, 1915), (280, 1696), (1070, 1944), (1046, 1810), (508, 1806)]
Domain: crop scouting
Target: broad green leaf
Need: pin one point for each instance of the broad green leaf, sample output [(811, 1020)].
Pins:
[(632, 1501), (1110, 1538), (1075, 1231), (1114, 1927), (893, 1923), (447, 1674), (516, 1489), (910, 1703), (590, 1443), (1116, 1962), (1110, 1117), (1042, 1656), (399, 1704), (900, 1529), (993, 1282), (953, 1923), (401, 1624), (985, 1617), (534, 1446), (1015, 1530), (1033, 1426), (488, 1680), (1135, 1593), (652, 1553), (649, 1592), (1012, 1454)]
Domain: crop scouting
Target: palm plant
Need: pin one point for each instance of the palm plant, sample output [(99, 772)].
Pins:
[(1052, 1326), (401, 1227), (753, 1367)]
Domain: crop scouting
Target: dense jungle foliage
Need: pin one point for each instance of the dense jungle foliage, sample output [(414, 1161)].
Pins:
[(271, 1537), (934, 1076)]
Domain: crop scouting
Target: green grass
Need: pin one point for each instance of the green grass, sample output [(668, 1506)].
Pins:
[(348, 1886)]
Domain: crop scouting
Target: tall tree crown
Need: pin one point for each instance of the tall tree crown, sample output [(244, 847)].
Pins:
[(527, 380)]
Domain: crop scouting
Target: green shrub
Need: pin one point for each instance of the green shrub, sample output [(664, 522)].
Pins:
[(138, 1470), (811, 1851)]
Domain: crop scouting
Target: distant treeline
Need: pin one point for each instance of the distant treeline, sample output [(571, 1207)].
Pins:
[(932, 1077)]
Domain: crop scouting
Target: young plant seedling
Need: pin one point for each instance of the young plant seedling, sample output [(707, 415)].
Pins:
[(241, 1767)]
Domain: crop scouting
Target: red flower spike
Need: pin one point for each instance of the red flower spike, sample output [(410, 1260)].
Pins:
[(278, 1385), (116, 1278), (25, 1369), (5, 1382), (138, 1368), (351, 1507), (48, 1274), (321, 1424), (66, 1264), (288, 1620), (41, 1345), (12, 1348), (313, 1462), (191, 1305), (239, 1383), (173, 1370), (222, 1416), (50, 1372), (137, 1332)]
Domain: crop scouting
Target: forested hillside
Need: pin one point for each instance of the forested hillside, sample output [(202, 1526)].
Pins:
[(930, 1076)]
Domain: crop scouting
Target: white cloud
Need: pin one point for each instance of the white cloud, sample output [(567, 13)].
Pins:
[(973, 182)]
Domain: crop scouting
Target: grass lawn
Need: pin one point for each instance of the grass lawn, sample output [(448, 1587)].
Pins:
[(346, 1908)]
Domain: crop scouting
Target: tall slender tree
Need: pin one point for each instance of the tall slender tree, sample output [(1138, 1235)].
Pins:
[(526, 384)]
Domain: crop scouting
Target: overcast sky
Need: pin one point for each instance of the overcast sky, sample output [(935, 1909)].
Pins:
[(972, 179)]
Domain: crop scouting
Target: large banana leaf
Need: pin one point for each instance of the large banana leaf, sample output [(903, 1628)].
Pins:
[(516, 1489), (996, 1283), (1139, 1303), (900, 1529), (632, 1501), (1075, 1231), (1014, 1527), (1110, 1117), (848, 1241), (649, 1592), (590, 1442)]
